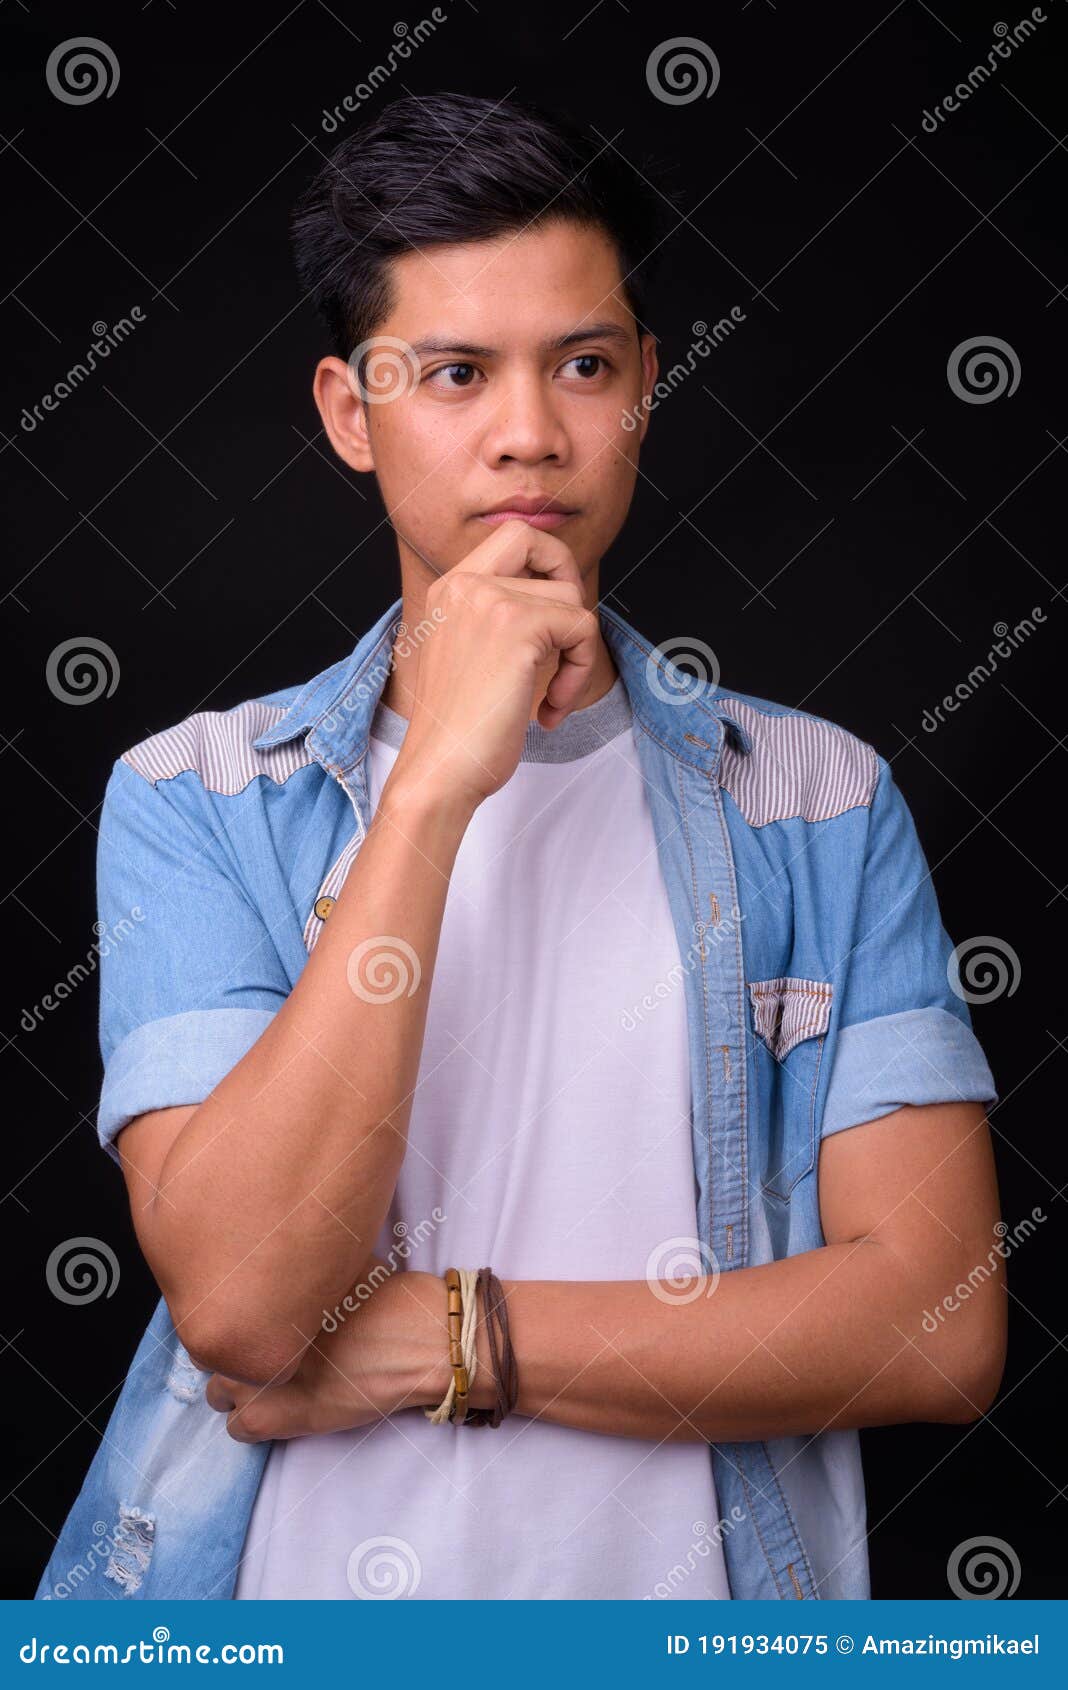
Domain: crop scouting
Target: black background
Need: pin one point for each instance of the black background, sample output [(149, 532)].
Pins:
[(816, 504)]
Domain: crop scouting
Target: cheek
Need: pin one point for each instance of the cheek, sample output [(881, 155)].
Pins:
[(413, 464)]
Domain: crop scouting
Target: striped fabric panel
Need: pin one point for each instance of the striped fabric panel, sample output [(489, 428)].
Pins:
[(787, 1010), (797, 767), (217, 746), (331, 888)]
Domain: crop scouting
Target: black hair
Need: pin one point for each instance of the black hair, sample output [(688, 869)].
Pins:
[(450, 168)]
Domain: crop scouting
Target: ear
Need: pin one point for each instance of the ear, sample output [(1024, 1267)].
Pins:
[(650, 371), (343, 412)]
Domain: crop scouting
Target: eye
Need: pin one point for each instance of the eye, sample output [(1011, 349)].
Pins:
[(458, 376), (591, 365)]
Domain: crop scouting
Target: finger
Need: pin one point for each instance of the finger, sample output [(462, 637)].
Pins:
[(277, 1412), (574, 634), (221, 1393), (516, 546)]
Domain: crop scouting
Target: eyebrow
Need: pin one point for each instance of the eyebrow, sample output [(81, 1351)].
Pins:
[(576, 337)]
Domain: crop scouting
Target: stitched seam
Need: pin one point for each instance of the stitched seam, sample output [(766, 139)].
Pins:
[(705, 1020)]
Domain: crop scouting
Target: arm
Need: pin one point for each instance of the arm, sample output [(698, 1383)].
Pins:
[(830, 1338), (258, 1206)]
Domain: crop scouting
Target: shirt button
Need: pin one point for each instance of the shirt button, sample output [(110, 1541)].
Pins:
[(323, 906)]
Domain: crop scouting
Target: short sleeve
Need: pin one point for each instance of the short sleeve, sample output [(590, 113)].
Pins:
[(189, 976), (904, 1034)]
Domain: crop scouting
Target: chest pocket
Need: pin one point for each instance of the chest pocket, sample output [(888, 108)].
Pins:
[(790, 1020)]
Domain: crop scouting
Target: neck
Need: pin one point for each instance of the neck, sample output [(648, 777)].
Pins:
[(399, 690)]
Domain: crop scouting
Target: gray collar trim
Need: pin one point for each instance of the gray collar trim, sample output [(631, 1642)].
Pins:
[(579, 734)]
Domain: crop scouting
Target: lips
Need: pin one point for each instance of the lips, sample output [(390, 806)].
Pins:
[(538, 512)]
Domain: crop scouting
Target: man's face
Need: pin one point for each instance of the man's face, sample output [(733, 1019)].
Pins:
[(526, 360)]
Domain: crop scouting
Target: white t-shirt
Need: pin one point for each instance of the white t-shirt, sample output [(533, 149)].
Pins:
[(550, 1128)]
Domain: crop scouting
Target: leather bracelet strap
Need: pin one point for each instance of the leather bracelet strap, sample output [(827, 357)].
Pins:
[(502, 1356)]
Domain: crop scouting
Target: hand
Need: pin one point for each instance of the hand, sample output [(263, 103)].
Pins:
[(493, 636), (390, 1352)]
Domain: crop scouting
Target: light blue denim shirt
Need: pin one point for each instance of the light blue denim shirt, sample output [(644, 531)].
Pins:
[(817, 976)]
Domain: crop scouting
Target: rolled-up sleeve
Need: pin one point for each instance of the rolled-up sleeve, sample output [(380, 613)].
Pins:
[(189, 975), (904, 1033)]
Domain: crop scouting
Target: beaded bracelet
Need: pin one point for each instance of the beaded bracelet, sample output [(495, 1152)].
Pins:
[(462, 1316)]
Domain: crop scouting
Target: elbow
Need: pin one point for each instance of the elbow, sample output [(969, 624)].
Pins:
[(971, 1384), (237, 1350)]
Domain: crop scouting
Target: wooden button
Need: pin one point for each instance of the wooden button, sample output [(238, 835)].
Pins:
[(323, 906)]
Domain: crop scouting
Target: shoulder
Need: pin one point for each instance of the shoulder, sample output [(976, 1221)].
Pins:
[(797, 766), (218, 747)]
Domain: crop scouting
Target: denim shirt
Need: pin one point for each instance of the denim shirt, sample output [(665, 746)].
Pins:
[(819, 992)]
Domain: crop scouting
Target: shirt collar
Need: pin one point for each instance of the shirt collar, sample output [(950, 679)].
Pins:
[(335, 708)]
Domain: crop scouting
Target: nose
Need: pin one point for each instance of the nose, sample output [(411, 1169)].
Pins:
[(526, 426)]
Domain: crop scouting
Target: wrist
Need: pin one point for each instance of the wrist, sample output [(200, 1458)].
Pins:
[(426, 1374), (416, 803)]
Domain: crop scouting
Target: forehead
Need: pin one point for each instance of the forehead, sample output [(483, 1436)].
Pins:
[(533, 282)]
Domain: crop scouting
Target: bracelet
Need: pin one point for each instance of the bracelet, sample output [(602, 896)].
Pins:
[(462, 1316), (502, 1355)]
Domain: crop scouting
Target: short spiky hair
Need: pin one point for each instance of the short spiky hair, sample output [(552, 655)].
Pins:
[(450, 168)]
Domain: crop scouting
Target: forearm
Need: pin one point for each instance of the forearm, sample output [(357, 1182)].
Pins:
[(829, 1338), (273, 1193)]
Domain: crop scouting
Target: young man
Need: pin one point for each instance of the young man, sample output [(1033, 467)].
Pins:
[(504, 942)]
